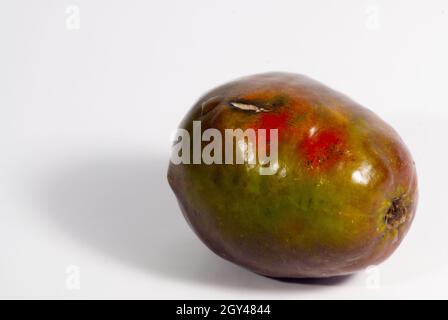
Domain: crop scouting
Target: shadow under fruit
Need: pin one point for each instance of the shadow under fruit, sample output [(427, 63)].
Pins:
[(343, 197)]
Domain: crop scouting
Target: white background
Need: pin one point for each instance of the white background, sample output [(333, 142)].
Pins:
[(86, 116)]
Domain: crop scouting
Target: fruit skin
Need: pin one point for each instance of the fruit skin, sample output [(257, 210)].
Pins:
[(344, 195)]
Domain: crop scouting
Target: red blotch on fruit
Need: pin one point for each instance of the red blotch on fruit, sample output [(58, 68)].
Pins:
[(273, 121), (270, 121), (323, 149)]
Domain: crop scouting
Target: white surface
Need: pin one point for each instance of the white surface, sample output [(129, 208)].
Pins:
[(86, 116)]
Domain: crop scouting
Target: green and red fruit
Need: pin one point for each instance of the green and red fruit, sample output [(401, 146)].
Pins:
[(342, 198)]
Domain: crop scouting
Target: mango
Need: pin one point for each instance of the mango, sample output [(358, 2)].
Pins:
[(340, 197)]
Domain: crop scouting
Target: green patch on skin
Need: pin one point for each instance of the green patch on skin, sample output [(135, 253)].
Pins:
[(297, 118), (280, 100), (323, 215)]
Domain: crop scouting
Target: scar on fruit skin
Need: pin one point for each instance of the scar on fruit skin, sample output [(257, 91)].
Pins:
[(261, 104), (248, 107)]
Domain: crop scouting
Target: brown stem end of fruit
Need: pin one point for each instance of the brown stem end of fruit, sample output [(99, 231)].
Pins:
[(398, 213)]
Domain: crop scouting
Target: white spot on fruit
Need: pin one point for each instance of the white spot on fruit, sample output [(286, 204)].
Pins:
[(312, 131), (363, 174)]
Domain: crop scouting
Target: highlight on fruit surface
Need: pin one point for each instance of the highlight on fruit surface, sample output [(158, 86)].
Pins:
[(340, 194)]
